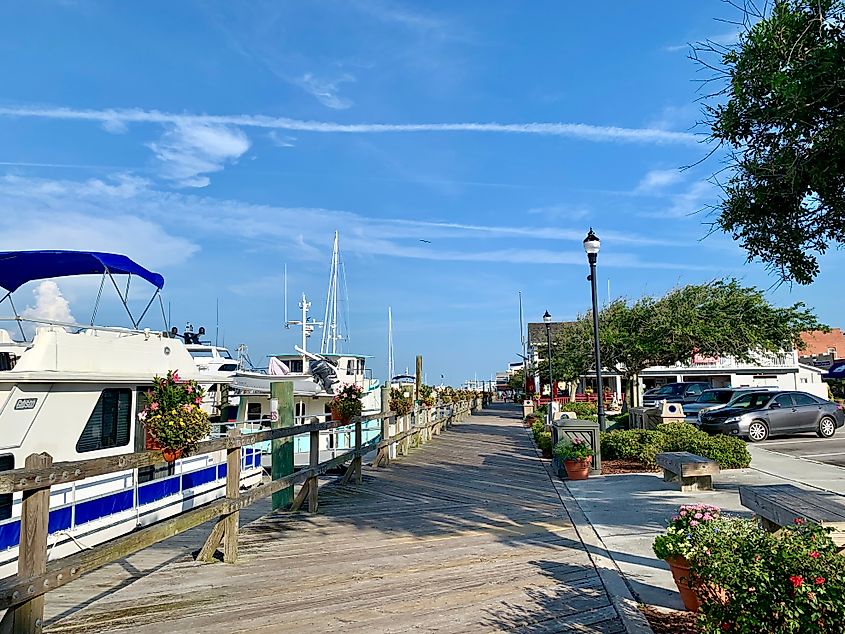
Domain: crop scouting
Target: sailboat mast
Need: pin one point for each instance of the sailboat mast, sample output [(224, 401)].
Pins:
[(330, 336)]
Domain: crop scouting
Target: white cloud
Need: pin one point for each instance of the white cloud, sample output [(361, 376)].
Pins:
[(326, 91), (658, 180), (394, 13), (282, 140), (50, 305), (582, 131), (560, 212), (190, 150), (80, 215)]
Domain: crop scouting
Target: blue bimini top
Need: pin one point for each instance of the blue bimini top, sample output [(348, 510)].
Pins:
[(19, 267)]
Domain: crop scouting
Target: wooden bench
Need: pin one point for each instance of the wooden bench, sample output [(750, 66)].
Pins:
[(691, 472), (779, 505)]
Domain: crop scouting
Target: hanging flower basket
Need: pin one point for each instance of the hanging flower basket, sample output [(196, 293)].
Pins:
[(400, 403), (173, 418), (347, 403)]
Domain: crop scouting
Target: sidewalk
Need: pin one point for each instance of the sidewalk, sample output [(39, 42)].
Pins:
[(629, 511)]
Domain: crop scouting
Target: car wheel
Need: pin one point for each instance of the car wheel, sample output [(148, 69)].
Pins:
[(827, 427), (758, 431)]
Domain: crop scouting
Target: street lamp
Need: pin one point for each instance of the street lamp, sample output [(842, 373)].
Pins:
[(592, 244), (547, 319)]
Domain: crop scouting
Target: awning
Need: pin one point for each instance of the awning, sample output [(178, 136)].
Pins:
[(19, 267), (835, 371)]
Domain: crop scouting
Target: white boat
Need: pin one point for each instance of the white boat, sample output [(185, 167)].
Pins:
[(74, 392)]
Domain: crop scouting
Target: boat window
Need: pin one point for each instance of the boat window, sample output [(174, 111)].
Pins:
[(224, 353), (228, 367), (7, 463), (108, 425), (156, 472), (201, 353), (295, 365), (7, 361), (253, 411)]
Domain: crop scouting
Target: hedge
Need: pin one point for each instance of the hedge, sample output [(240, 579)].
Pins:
[(644, 445)]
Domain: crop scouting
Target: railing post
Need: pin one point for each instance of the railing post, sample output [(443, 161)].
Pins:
[(313, 461), (32, 553), (358, 442), (282, 448), (233, 492)]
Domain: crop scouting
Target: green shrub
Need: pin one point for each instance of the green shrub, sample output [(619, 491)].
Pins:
[(644, 445), (582, 410), (625, 444), (544, 441), (538, 428)]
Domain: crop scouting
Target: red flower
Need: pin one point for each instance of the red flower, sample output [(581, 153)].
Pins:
[(819, 581), (814, 554), (798, 521), (726, 627), (798, 580)]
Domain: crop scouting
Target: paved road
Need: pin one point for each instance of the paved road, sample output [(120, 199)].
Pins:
[(810, 447)]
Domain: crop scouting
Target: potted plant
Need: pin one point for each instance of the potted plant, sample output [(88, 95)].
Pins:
[(346, 404), (576, 454), (401, 402), (750, 580), (427, 397), (173, 418), (677, 545)]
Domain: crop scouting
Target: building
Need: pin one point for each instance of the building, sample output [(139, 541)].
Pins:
[(821, 348)]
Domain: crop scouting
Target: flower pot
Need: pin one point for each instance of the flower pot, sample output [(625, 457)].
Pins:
[(336, 415), (150, 441), (681, 573), (171, 455), (578, 469)]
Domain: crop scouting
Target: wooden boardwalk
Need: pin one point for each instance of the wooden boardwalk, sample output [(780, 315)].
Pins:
[(465, 534)]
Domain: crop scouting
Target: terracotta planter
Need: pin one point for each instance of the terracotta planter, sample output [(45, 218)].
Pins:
[(681, 573), (578, 469), (171, 455), (337, 416)]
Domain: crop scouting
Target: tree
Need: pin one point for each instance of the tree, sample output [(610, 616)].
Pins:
[(721, 318), (784, 120), (517, 381), (572, 351)]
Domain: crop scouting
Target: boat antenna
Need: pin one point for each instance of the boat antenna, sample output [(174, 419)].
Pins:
[(286, 296), (390, 362), (217, 323), (328, 345)]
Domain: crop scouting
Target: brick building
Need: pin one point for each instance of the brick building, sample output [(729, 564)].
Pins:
[(822, 348)]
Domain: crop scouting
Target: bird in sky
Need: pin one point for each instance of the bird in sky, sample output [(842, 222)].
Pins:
[(426, 241)]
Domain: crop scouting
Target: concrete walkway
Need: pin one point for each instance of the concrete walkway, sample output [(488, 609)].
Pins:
[(467, 533)]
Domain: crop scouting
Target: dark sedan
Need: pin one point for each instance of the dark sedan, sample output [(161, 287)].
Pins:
[(757, 415)]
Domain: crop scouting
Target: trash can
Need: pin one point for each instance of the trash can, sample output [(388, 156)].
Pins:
[(527, 407), (585, 430)]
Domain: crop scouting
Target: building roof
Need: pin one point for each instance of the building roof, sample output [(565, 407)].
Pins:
[(820, 342), (537, 331)]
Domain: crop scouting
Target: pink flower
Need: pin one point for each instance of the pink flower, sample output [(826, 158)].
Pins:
[(698, 516), (176, 376), (189, 389), (798, 521), (814, 554), (198, 400), (819, 581), (153, 406), (798, 580), (683, 512), (707, 517), (693, 523)]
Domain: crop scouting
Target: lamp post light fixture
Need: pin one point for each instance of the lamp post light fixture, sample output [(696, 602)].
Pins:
[(592, 244), (547, 319)]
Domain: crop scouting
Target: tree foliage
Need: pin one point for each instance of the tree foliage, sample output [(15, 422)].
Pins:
[(784, 119)]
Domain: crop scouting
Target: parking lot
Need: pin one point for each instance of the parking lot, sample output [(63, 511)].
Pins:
[(810, 447)]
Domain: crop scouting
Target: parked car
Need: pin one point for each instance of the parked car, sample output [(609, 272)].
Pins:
[(758, 415), (685, 392), (715, 398)]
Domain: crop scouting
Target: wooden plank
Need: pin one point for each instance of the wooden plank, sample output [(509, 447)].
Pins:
[(314, 461), (28, 617), (233, 492), (783, 503), (282, 448), (209, 548), (684, 463)]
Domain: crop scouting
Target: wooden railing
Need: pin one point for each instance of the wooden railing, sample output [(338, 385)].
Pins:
[(23, 594)]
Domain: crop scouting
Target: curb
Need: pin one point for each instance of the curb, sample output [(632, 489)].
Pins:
[(611, 576)]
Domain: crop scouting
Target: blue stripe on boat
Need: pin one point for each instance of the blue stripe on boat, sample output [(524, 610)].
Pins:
[(100, 507), (199, 477), (157, 490)]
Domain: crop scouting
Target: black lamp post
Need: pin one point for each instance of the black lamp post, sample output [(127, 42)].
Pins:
[(547, 319), (591, 246)]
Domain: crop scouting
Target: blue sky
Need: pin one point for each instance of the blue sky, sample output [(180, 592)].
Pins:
[(216, 142)]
